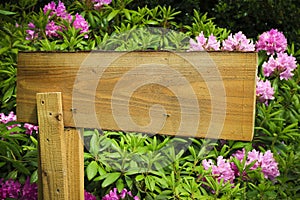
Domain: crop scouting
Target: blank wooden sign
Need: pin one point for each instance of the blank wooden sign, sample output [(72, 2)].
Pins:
[(194, 94)]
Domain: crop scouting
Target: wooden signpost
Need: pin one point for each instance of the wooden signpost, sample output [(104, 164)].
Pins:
[(222, 85)]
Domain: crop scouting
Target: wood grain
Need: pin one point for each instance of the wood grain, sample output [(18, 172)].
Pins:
[(61, 167), (121, 90), (52, 150), (75, 163)]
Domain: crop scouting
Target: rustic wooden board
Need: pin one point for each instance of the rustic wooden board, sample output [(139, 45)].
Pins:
[(61, 167), (52, 151), (203, 94)]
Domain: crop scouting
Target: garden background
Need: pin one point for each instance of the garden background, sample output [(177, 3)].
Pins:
[(266, 168)]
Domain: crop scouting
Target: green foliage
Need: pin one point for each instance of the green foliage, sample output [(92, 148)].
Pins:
[(206, 25), (18, 153), (160, 167)]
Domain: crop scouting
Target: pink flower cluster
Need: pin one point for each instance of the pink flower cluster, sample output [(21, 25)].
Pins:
[(272, 41), (203, 43), (236, 42), (227, 170), (57, 14), (265, 161), (89, 196), (264, 91), (12, 117), (283, 65), (9, 118), (279, 63), (113, 195), (220, 171), (100, 3), (14, 190)]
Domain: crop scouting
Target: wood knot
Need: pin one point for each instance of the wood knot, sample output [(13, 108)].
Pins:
[(59, 117)]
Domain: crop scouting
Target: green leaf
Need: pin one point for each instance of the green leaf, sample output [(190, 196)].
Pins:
[(2, 164), (34, 177), (238, 145), (139, 177), (120, 185), (92, 170), (3, 50), (5, 12), (111, 178), (112, 15)]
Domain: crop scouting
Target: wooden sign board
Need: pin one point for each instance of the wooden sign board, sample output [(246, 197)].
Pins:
[(193, 94)]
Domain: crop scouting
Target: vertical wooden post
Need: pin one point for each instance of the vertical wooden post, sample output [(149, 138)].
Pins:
[(75, 163), (60, 172)]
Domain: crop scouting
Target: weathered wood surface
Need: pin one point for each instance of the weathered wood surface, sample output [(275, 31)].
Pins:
[(75, 163), (213, 92), (52, 157), (60, 152)]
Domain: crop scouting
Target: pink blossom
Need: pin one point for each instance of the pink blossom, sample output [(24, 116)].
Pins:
[(238, 42), (202, 43), (51, 29), (282, 65), (80, 23), (59, 10), (31, 32), (50, 6), (30, 128), (113, 195), (269, 166), (272, 41), (99, 3), (222, 170), (89, 196), (264, 91), (53, 26), (31, 25), (265, 161), (9, 118)]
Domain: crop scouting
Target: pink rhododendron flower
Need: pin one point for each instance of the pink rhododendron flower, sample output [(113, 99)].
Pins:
[(59, 10), (80, 23), (50, 6), (89, 196), (13, 189), (265, 161), (12, 117), (202, 43), (283, 64), (54, 25), (272, 41), (31, 32), (51, 29), (264, 91), (30, 128), (222, 170), (113, 195), (238, 42), (99, 3)]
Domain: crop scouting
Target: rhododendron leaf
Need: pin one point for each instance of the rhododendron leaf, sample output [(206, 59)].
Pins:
[(112, 15), (110, 178), (92, 170)]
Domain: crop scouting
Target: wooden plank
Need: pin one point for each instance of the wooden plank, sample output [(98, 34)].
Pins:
[(52, 149), (75, 163), (99, 84)]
